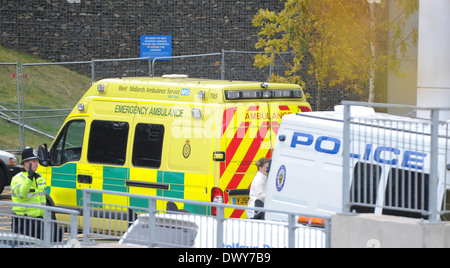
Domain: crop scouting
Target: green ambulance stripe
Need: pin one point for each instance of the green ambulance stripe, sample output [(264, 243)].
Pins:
[(114, 179), (176, 188), (65, 176)]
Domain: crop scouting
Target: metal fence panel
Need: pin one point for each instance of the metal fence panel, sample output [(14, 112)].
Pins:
[(153, 228), (15, 75), (230, 65), (395, 165), (21, 231)]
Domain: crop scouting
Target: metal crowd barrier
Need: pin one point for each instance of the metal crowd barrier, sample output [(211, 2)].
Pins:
[(147, 226), (396, 165), (19, 231)]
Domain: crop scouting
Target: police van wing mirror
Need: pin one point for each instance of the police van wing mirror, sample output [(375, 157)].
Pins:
[(268, 166), (43, 155)]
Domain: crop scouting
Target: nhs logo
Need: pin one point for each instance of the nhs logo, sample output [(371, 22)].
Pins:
[(185, 91)]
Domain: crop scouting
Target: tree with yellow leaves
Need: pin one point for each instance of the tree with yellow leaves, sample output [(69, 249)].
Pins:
[(346, 41)]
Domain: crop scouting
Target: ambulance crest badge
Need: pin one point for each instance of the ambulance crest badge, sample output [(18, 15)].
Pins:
[(187, 149)]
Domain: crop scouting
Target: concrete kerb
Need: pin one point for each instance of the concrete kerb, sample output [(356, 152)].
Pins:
[(369, 230)]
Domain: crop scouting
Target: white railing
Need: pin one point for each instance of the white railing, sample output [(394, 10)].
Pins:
[(395, 165), (22, 231), (155, 228)]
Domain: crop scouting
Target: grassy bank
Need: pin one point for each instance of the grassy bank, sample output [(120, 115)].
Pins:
[(55, 87)]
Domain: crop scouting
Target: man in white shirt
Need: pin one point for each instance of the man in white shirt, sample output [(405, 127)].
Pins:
[(258, 187)]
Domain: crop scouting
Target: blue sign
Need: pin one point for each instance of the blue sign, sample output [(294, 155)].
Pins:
[(156, 46)]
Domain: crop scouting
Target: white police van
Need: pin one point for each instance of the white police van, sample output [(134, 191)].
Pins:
[(389, 164)]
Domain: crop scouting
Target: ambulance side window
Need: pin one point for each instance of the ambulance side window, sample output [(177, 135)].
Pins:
[(147, 147), (108, 142), (69, 143)]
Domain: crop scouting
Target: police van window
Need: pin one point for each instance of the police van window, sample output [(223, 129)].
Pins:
[(108, 142), (366, 178), (69, 143), (406, 189), (147, 147)]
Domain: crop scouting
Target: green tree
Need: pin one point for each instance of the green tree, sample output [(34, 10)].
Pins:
[(345, 41)]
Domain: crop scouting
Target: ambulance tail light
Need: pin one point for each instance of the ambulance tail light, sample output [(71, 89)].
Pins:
[(216, 197), (311, 221)]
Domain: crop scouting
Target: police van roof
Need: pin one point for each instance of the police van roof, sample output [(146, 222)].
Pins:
[(366, 116)]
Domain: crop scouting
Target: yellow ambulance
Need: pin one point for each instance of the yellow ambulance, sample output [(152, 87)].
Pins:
[(169, 136)]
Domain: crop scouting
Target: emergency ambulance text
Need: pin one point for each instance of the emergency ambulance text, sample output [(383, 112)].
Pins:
[(381, 154), (143, 110)]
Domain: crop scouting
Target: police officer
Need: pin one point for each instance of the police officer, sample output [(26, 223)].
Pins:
[(28, 187)]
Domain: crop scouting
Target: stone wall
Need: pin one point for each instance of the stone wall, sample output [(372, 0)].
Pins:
[(79, 30)]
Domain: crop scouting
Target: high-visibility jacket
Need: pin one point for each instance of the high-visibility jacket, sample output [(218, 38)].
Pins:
[(24, 190)]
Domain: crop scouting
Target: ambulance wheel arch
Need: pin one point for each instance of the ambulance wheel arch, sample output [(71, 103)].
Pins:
[(50, 203), (2, 178)]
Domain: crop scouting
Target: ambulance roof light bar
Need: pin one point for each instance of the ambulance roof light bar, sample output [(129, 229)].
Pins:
[(263, 94)]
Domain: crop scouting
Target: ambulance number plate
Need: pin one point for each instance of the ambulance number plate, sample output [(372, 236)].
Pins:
[(240, 200)]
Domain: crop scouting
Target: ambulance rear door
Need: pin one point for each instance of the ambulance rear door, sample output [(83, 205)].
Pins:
[(249, 130)]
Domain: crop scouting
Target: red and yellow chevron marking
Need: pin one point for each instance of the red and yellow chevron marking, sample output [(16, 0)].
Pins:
[(248, 133)]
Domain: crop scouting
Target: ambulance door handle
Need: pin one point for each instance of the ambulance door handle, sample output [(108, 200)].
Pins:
[(448, 166), (282, 137), (219, 156), (153, 185), (84, 179)]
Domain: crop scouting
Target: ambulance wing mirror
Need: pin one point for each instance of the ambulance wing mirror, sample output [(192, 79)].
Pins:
[(43, 155)]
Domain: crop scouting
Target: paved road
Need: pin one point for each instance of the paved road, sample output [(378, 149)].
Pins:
[(5, 196)]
